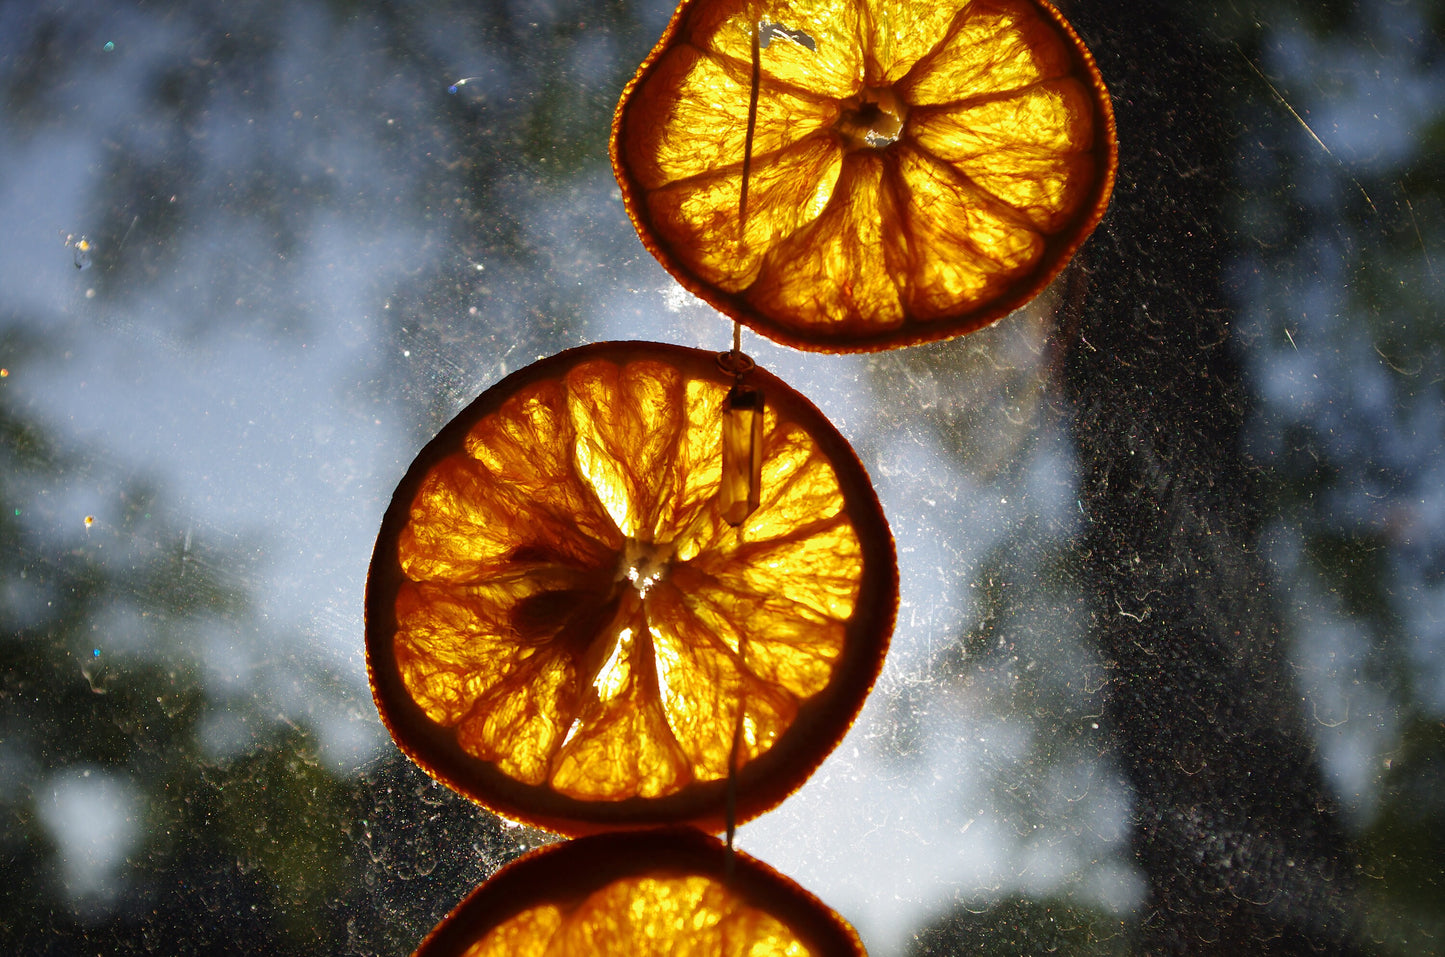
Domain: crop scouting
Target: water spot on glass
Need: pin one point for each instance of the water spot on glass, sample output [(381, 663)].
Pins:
[(93, 671), (171, 704), (461, 83), (421, 865), (81, 250)]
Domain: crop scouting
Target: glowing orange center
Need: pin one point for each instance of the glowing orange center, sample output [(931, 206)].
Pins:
[(873, 119)]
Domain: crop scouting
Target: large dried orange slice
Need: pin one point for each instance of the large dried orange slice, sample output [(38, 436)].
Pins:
[(663, 893), (914, 169), (564, 623)]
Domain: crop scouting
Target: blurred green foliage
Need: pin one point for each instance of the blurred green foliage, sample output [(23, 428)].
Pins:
[(1025, 928), (1404, 847)]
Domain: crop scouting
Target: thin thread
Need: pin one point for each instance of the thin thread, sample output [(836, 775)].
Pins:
[(740, 370), (752, 126), (733, 783), (733, 755)]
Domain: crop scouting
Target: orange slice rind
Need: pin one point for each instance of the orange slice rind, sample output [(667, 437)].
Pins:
[(662, 893), (563, 625), (917, 170)]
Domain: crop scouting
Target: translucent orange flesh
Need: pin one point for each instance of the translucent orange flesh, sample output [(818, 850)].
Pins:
[(576, 608), (658, 892), (669, 916), (917, 168)]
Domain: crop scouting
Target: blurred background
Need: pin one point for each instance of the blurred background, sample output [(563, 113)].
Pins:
[(255, 254)]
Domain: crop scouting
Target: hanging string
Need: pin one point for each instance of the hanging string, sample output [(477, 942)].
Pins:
[(757, 76), (763, 34), (735, 754), (732, 790), (743, 414)]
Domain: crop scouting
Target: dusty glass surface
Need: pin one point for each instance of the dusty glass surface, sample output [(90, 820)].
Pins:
[(1168, 672)]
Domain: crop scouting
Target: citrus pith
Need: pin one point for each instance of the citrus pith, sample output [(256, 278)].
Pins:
[(916, 169), (563, 625), (664, 893)]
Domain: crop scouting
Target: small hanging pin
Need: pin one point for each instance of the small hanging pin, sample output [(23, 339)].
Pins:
[(742, 472), (742, 441)]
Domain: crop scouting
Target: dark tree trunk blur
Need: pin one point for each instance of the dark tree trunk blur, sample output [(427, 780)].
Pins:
[(1233, 828)]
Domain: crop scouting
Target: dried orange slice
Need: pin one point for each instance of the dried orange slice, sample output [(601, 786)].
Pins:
[(915, 169), (563, 624), (664, 893)]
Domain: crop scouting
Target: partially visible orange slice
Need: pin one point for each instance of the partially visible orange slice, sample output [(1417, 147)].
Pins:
[(663, 893), (918, 168), (563, 625)]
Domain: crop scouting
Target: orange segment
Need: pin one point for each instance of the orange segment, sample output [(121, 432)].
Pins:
[(658, 893), (562, 625), (918, 169)]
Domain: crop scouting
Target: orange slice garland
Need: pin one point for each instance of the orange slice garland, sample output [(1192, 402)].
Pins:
[(637, 585), (663, 893), (563, 625), (913, 170)]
